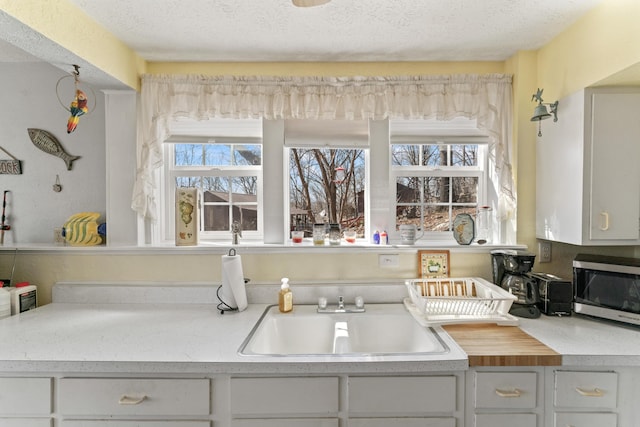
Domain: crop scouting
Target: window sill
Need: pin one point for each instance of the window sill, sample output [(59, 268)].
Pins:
[(254, 247)]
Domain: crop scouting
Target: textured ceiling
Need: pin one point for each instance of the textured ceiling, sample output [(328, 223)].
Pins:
[(275, 30), (341, 30)]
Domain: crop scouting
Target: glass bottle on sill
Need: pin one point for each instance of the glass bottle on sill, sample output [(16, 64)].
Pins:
[(484, 221)]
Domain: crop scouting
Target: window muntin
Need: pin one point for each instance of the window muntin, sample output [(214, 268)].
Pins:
[(436, 182)]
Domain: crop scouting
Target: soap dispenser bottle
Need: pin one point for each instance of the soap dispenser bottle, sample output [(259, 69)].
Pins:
[(285, 297)]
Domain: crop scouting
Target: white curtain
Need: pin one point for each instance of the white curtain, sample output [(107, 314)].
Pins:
[(486, 98)]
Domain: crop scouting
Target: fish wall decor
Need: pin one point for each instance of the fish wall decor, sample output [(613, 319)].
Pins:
[(50, 145)]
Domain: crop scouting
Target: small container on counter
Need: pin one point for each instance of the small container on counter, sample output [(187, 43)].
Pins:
[(24, 297), (5, 303)]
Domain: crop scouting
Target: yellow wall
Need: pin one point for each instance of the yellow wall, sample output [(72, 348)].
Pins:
[(325, 68), (68, 26), (603, 43)]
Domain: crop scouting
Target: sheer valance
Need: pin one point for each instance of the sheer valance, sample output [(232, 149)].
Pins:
[(486, 98)]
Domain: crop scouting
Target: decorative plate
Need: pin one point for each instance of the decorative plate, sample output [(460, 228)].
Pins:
[(464, 229)]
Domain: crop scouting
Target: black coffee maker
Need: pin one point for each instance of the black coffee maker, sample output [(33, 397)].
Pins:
[(510, 270)]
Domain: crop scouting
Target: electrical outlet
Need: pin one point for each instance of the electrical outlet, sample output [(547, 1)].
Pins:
[(389, 260), (544, 251)]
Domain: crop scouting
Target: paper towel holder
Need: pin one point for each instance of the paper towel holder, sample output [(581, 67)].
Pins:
[(222, 305)]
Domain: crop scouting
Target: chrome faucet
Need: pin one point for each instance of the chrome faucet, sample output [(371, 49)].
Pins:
[(341, 307), (236, 230)]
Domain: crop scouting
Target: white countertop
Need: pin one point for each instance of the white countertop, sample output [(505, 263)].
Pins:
[(75, 335), (166, 338)]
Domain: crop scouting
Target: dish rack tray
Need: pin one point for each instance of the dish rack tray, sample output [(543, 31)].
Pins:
[(440, 301)]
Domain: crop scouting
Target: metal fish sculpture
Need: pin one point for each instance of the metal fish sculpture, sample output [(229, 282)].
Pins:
[(50, 145)]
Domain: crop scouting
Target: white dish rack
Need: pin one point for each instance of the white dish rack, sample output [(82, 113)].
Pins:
[(441, 301)]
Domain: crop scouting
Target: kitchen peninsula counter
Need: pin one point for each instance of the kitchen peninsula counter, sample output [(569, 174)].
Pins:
[(112, 336)]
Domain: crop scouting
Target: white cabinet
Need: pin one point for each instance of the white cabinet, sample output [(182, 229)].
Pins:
[(127, 399), (403, 401), (279, 401), (587, 174), (504, 397), (25, 402), (360, 401), (585, 398)]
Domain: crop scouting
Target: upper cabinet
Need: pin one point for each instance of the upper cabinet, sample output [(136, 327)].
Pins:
[(588, 170)]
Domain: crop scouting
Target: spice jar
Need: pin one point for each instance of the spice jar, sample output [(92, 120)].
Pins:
[(334, 234), (318, 234)]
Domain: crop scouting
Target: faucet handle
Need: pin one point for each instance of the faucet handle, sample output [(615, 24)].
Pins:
[(359, 302), (322, 303)]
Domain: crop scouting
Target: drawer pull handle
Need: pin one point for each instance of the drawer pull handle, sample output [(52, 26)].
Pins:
[(508, 393), (605, 223), (131, 400), (596, 392)]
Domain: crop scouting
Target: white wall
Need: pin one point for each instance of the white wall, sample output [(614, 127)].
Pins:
[(29, 100)]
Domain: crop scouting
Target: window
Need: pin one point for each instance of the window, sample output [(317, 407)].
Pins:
[(385, 174), (326, 186), (228, 173), (436, 182)]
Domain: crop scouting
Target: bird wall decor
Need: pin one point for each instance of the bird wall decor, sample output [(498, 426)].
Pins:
[(79, 105), (78, 108)]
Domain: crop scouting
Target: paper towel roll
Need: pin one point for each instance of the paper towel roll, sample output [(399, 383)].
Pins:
[(233, 292)]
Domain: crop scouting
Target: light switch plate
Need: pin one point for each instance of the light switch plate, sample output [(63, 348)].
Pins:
[(544, 251)]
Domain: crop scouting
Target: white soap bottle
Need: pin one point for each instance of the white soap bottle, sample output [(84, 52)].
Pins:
[(285, 297)]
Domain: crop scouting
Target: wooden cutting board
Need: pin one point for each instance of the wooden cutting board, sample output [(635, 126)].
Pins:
[(493, 345)]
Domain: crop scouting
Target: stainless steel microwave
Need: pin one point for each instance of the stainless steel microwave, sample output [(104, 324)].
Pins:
[(607, 287)]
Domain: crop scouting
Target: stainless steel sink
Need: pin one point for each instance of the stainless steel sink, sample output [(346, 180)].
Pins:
[(383, 329)]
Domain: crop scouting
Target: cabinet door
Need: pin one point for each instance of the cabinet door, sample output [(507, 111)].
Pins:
[(574, 419), (508, 390), (505, 420), (287, 422), (111, 423), (25, 396), (25, 422), (586, 389), (403, 422), (402, 395), (126, 397), (291, 396), (615, 167)]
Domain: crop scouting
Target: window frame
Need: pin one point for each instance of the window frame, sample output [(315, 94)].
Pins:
[(395, 171), (380, 178), (172, 171)]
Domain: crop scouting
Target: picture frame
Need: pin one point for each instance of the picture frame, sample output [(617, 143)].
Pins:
[(433, 263)]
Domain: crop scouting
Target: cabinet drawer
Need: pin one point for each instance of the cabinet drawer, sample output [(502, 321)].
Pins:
[(402, 422), (25, 422), (124, 396), (564, 419), (287, 422), (586, 389), (494, 420), (110, 423), (516, 390), (292, 396), (404, 395), (25, 396)]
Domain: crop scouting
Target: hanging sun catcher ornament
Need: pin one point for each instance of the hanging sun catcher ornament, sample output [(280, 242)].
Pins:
[(79, 104)]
